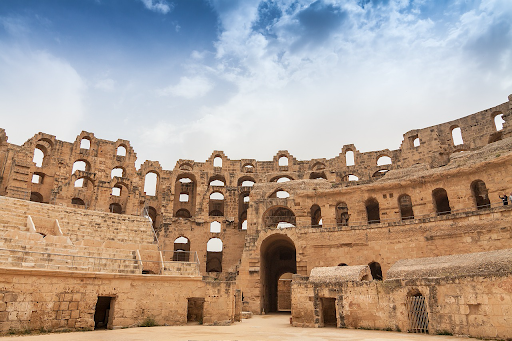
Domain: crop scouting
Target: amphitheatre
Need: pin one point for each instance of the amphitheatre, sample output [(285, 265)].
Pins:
[(413, 240)]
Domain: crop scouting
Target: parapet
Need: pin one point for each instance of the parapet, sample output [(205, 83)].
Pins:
[(469, 264), (338, 274)]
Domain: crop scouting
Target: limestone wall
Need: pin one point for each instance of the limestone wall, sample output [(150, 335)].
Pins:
[(34, 299), (475, 306)]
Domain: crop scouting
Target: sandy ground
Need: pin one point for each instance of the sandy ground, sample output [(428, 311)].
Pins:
[(262, 327)]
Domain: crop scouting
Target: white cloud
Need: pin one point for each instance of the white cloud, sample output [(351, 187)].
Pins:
[(106, 84), (16, 26), (158, 6), (188, 87), (38, 92)]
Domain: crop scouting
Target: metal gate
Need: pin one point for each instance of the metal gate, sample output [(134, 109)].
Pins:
[(417, 313)]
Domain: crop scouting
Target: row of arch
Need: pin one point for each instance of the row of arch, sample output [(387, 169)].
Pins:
[(282, 217), (214, 249)]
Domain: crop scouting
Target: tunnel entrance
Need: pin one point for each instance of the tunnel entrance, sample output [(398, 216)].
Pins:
[(278, 257)]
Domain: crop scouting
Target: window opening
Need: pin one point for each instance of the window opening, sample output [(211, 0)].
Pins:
[(116, 191), (372, 211), (85, 144), (282, 194), (384, 160), (217, 161), (405, 203), (498, 122), (349, 158), (376, 271), (342, 215), (248, 183), (441, 202), (36, 197), (37, 179), (457, 136), (184, 197), (480, 194), (150, 183), (215, 227), (181, 250), (283, 179), (118, 171), (121, 151), (115, 208), (214, 255), (217, 183), (244, 225), (77, 201), (416, 142), (283, 161), (38, 157)]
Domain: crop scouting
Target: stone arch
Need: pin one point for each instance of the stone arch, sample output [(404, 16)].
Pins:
[(278, 215), (121, 150), (317, 175), (342, 215), (279, 193), (246, 181), (372, 211), (281, 178), (316, 216), (153, 214), (277, 257), (115, 208), (376, 271), (77, 201), (217, 180), (183, 213), (181, 249), (384, 159), (185, 184), (243, 206), (283, 161), (36, 197), (151, 180), (85, 143), (480, 194), (40, 153), (216, 204), (217, 161), (405, 204), (248, 167), (349, 158), (441, 202), (214, 255), (456, 133)]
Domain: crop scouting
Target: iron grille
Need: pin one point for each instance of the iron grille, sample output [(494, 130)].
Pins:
[(418, 316)]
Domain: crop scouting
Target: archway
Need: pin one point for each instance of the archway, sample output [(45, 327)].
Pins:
[(277, 257)]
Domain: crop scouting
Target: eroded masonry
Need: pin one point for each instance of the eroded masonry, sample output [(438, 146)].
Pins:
[(416, 239)]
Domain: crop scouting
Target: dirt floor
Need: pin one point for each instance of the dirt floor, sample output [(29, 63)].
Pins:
[(262, 327)]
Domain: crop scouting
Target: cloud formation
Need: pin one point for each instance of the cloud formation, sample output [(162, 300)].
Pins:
[(161, 6), (188, 87)]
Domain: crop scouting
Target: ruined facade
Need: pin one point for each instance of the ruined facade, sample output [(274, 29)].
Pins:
[(249, 222)]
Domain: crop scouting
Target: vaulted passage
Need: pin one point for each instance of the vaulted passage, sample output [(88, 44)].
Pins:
[(278, 256)]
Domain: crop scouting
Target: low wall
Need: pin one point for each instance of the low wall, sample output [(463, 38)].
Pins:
[(34, 299), (474, 305)]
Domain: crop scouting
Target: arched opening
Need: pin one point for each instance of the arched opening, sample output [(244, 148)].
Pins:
[(376, 271), (417, 313), (116, 191), (441, 202), (372, 211), (405, 203), (150, 183), (380, 173), (117, 171), (277, 257), (480, 194), (121, 151), (384, 160), (215, 227), (85, 143), (153, 215), (115, 208), (36, 197), (350, 177), (80, 165), (214, 255), (243, 206), (183, 213), (316, 216), (37, 178), (283, 179), (284, 292), (279, 194), (498, 121), (185, 194), (283, 161), (279, 216), (349, 158), (77, 201), (342, 215), (216, 205), (457, 136), (218, 183), (317, 175), (416, 142), (217, 162), (343, 264), (246, 181), (39, 155), (248, 168), (181, 250)]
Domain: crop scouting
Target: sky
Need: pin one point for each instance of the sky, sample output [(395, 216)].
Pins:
[(182, 78)]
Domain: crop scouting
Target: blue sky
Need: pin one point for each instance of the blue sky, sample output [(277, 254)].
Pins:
[(180, 79)]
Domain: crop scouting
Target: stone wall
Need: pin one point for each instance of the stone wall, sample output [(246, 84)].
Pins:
[(473, 305), (34, 299)]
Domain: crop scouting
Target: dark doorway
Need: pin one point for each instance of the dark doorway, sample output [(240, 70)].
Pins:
[(441, 202), (278, 257), (102, 312), (329, 312), (195, 308), (481, 194), (376, 271), (284, 292)]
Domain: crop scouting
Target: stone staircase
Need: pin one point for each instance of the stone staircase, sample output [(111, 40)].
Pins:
[(77, 224), (32, 252)]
